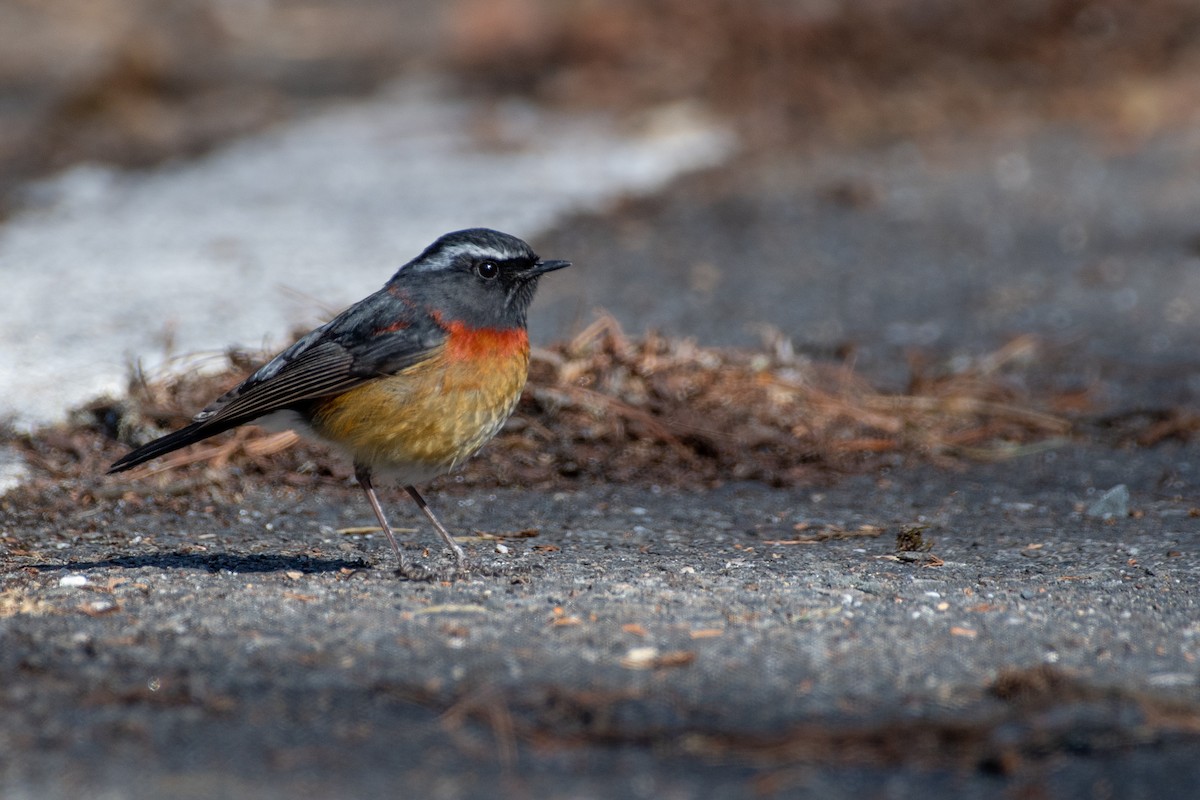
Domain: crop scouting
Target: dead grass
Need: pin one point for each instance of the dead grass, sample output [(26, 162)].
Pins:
[(608, 407)]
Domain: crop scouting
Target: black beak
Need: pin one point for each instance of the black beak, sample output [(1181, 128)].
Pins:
[(542, 267)]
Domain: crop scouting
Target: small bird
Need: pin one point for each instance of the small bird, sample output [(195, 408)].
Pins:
[(410, 381)]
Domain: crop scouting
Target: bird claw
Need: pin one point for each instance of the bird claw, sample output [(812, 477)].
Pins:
[(469, 568), (413, 571)]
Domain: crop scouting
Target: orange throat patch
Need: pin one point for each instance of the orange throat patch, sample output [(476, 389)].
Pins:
[(485, 344)]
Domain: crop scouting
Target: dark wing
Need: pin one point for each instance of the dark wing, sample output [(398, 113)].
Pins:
[(371, 339)]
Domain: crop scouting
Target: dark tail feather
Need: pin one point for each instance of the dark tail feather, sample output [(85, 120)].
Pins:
[(195, 432)]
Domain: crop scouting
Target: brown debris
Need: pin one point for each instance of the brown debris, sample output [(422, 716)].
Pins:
[(608, 407), (911, 539), (669, 411)]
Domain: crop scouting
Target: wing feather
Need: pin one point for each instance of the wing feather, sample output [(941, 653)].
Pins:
[(367, 341)]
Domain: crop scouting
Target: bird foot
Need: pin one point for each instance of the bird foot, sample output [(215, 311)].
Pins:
[(414, 571)]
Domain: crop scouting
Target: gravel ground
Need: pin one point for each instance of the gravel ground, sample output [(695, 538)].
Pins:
[(646, 643)]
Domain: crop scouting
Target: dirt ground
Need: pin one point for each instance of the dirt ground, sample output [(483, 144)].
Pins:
[(882, 548)]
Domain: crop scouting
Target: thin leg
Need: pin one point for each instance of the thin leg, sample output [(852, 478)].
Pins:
[(459, 555), (363, 474)]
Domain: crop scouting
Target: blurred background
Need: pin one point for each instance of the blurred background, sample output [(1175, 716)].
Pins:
[(932, 175), (952, 230), (134, 82)]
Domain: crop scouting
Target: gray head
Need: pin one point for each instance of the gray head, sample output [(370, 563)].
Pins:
[(481, 277)]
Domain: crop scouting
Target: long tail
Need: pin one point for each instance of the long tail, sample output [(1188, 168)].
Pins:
[(191, 434)]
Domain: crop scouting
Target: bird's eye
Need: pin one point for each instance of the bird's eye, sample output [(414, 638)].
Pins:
[(488, 270)]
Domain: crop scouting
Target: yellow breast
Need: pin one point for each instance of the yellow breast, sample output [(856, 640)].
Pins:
[(427, 419)]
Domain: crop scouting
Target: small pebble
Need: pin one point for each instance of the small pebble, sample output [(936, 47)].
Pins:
[(639, 658), (73, 580), (1113, 503)]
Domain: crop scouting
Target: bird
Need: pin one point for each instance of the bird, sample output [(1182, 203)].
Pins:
[(409, 382)]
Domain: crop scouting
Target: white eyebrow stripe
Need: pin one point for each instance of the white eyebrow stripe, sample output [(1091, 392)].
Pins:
[(475, 251)]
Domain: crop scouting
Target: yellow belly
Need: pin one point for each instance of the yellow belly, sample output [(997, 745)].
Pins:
[(427, 419)]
